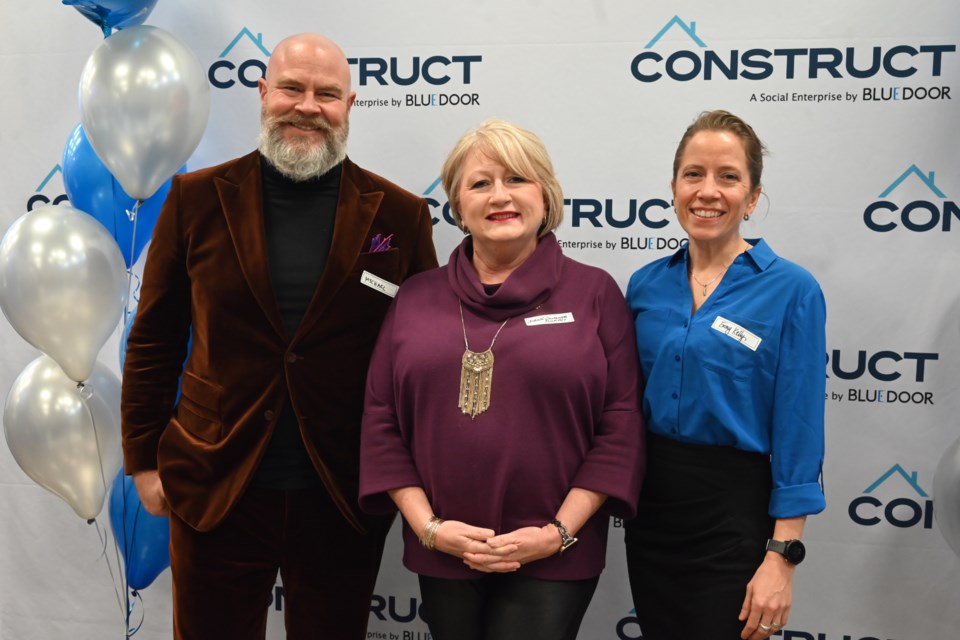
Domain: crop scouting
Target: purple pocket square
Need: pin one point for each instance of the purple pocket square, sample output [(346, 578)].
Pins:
[(380, 243)]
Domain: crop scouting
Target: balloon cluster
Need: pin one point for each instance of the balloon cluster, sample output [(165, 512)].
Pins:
[(65, 270)]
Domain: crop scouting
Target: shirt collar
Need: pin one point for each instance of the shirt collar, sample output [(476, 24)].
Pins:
[(761, 254)]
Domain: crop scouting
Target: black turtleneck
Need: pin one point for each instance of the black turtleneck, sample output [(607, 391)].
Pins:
[(298, 223)]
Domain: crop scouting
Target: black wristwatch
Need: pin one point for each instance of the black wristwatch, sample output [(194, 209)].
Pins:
[(566, 540), (793, 551)]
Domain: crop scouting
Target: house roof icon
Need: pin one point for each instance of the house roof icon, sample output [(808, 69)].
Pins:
[(432, 186), (926, 178), (689, 29), (258, 41), (911, 479), (49, 177)]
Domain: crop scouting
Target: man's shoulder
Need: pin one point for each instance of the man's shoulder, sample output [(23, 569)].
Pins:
[(235, 169)]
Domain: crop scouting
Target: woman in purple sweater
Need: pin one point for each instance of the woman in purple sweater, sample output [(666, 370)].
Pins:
[(506, 482)]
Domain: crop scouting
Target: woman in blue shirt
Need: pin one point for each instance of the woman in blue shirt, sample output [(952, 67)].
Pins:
[(732, 341)]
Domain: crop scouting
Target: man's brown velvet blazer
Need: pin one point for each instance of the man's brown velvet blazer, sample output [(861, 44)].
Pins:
[(207, 277)]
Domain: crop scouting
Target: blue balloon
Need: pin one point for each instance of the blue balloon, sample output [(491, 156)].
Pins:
[(113, 14), (144, 539), (93, 189), (127, 325)]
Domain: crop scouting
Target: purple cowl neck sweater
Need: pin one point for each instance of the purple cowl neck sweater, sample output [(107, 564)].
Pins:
[(564, 406)]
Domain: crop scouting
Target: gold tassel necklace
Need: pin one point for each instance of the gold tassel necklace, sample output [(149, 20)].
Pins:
[(476, 375)]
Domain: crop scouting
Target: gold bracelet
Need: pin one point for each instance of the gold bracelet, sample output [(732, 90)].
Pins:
[(429, 537), (430, 532)]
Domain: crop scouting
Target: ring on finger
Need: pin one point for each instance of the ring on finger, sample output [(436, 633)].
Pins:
[(766, 627)]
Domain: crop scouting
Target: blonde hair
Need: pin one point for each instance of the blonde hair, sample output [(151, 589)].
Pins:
[(517, 149)]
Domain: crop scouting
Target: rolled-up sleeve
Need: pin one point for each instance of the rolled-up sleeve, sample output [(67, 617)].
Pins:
[(797, 438)]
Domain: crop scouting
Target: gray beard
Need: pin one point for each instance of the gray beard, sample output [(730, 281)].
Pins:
[(302, 161)]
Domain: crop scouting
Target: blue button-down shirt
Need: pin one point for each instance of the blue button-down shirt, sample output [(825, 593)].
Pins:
[(746, 370)]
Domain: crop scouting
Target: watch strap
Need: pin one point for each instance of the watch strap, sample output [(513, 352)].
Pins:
[(566, 540), (778, 546), (793, 551)]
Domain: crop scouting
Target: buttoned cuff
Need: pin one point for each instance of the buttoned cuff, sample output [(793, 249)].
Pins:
[(797, 500)]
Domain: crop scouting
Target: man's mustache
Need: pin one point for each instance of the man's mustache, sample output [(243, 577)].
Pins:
[(318, 123)]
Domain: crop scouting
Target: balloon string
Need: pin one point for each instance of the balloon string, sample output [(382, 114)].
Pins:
[(129, 540), (85, 394), (124, 605), (132, 215), (137, 598)]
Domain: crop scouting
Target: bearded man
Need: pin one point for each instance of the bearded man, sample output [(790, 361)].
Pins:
[(279, 266)]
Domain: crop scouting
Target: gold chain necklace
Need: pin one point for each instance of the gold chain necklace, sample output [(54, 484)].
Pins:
[(476, 374)]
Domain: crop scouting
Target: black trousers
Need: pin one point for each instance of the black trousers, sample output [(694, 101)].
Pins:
[(505, 606), (698, 538)]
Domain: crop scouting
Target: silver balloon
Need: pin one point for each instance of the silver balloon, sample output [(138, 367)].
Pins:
[(62, 284), (144, 104), (66, 439), (946, 495)]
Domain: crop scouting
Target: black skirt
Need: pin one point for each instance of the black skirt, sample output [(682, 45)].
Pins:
[(698, 538)]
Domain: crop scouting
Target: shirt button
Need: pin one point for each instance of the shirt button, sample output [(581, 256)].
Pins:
[(685, 323), (291, 357), (674, 430), (268, 415), (677, 358), (674, 396)]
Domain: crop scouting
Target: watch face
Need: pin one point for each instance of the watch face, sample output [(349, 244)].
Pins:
[(795, 552)]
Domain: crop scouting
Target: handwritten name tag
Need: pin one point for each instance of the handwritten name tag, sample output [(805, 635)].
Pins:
[(738, 333), (381, 285), (552, 318)]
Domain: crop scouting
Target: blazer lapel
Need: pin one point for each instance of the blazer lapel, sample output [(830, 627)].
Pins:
[(356, 209), (241, 197)]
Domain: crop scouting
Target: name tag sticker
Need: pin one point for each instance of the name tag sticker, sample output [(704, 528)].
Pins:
[(552, 318), (381, 285), (738, 333)]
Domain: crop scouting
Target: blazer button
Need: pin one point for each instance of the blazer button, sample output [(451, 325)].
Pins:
[(291, 357), (268, 415)]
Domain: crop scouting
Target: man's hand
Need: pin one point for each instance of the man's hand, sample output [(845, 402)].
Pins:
[(151, 493)]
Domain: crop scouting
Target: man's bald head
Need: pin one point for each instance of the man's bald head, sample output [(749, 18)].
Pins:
[(309, 48)]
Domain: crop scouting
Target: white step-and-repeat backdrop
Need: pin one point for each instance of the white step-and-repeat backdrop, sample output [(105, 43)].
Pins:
[(858, 103)]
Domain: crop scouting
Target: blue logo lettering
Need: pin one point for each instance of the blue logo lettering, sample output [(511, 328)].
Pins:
[(434, 70), (902, 513), (39, 198), (900, 61), (248, 73), (918, 215)]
